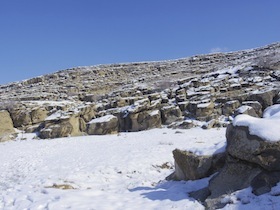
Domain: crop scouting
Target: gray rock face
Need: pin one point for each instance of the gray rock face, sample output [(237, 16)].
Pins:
[(189, 166), (253, 149)]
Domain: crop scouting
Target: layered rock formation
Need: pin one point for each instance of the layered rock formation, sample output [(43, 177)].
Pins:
[(252, 158), (145, 95)]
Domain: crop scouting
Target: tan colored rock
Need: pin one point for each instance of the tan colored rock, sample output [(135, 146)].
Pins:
[(107, 124), (144, 120), (6, 126), (61, 127), (21, 117), (38, 115), (170, 114)]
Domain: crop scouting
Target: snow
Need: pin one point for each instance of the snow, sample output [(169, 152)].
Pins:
[(114, 172), (266, 128), (105, 118), (124, 171), (243, 109)]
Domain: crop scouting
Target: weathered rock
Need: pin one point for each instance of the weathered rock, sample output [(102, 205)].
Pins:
[(264, 97), (60, 127), (21, 117), (264, 181), (242, 145), (246, 110), (186, 124), (38, 115), (189, 166), (143, 120), (210, 124), (256, 106), (204, 109), (170, 114), (6, 126), (103, 125), (229, 107)]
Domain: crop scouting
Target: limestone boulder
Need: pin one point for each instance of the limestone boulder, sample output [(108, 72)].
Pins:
[(21, 117), (246, 110), (6, 126), (189, 166), (255, 105), (170, 114), (60, 125), (107, 124), (229, 107), (253, 149), (38, 115), (265, 97), (143, 120)]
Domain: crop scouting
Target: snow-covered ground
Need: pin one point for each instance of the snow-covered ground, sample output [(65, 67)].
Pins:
[(124, 171)]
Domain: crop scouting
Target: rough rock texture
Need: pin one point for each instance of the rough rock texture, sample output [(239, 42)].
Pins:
[(201, 87), (253, 149), (249, 160), (189, 166), (103, 125), (6, 126)]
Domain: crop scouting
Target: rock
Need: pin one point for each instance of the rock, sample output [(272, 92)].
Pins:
[(235, 175), (38, 115), (264, 181), (21, 117), (242, 145), (189, 166), (200, 194), (186, 124), (264, 97), (140, 105), (107, 124), (6, 128), (143, 120), (204, 109), (62, 126), (256, 106), (246, 110), (229, 107), (210, 124), (170, 114)]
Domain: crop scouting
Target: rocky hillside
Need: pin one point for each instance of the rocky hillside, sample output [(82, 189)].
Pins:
[(137, 96)]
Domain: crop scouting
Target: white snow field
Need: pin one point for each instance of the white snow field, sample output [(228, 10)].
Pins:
[(118, 172)]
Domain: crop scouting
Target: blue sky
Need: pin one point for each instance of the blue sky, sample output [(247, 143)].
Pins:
[(39, 37)]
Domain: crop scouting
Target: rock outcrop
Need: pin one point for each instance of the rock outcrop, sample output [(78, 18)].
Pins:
[(148, 94), (252, 158), (6, 126)]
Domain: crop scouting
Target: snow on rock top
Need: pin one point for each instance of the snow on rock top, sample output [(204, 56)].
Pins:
[(273, 111), (266, 128), (105, 118)]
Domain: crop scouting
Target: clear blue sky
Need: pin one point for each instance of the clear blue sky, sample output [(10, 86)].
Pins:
[(43, 36)]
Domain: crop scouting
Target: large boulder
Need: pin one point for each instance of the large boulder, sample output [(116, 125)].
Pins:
[(21, 117), (143, 120), (265, 97), (256, 140), (107, 124), (170, 114), (60, 124), (229, 107), (189, 166), (38, 115), (6, 128)]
